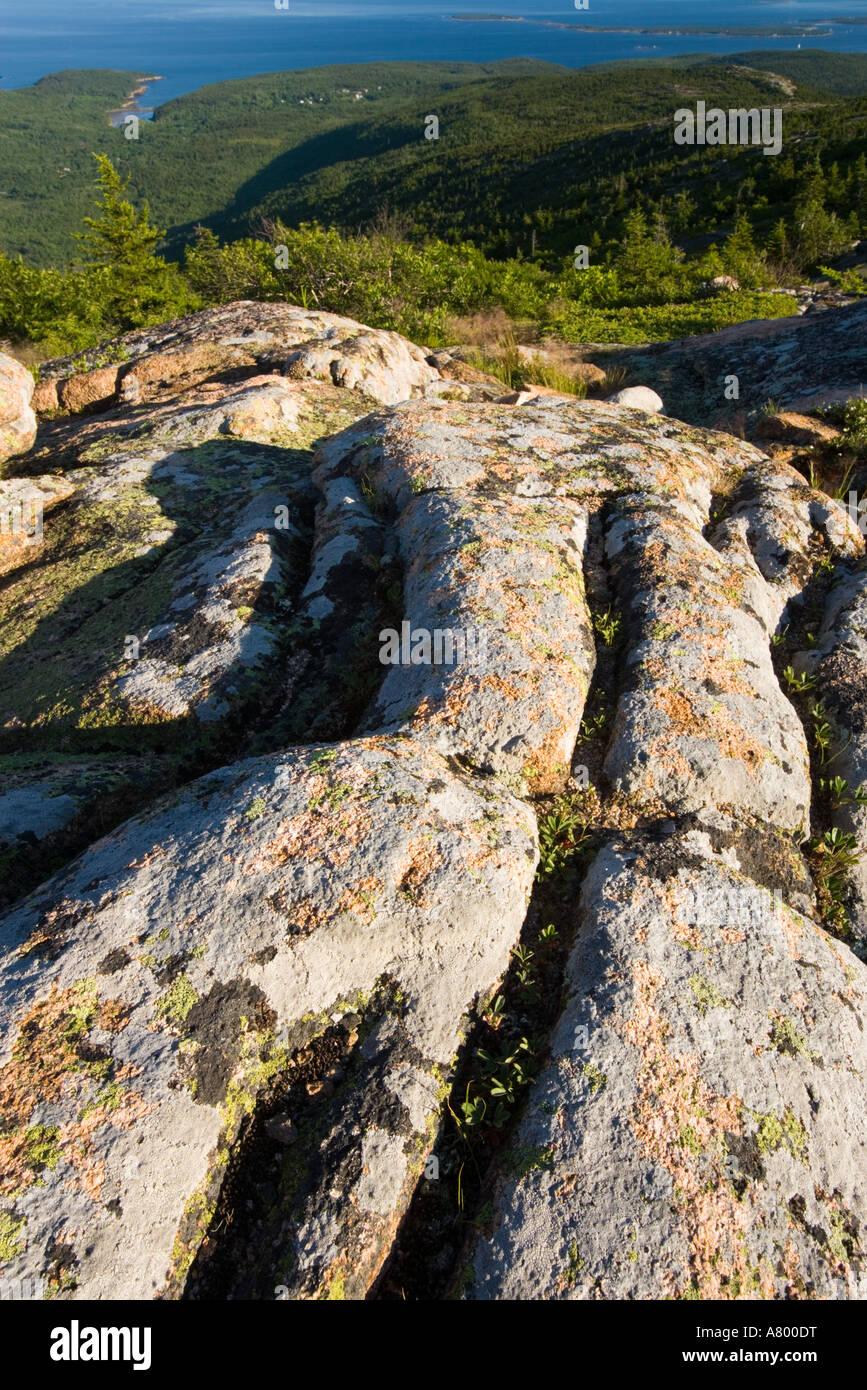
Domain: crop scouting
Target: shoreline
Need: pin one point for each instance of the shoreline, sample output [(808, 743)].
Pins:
[(131, 105), (803, 31)]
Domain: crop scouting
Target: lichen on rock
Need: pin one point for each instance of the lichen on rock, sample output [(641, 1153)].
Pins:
[(324, 646)]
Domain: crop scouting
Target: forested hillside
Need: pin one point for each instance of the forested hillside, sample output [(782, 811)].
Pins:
[(191, 161), (379, 222), (524, 148)]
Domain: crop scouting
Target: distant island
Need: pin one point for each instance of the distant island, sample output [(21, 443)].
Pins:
[(786, 31)]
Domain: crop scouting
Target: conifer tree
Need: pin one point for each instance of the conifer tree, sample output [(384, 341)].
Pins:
[(131, 281), (740, 256)]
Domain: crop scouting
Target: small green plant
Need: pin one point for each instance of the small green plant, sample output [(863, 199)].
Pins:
[(506, 1073), (320, 760), (565, 831), (615, 380), (825, 733), (839, 793), (608, 625), (595, 722), (826, 564), (372, 495), (850, 418), (798, 681), (473, 1111), (507, 364), (495, 1012), (841, 491), (849, 281), (832, 855), (524, 974)]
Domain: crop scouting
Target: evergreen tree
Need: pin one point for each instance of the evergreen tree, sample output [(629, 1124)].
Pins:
[(740, 256), (684, 211), (132, 283), (857, 192), (779, 252), (817, 233), (648, 266)]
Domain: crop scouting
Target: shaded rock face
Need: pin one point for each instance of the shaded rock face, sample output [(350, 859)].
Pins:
[(296, 662), (796, 362), (838, 664)]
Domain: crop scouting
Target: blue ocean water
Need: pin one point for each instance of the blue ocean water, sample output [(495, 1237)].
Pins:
[(193, 42)]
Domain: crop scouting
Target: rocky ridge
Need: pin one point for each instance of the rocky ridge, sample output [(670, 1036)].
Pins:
[(262, 887)]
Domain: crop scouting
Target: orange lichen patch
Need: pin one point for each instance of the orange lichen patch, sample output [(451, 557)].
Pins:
[(546, 770), (91, 1177), (461, 691), (361, 900), (731, 935), (328, 829), (793, 930), (680, 1123), (44, 1053), (75, 1141), (678, 707), (732, 587), (546, 444), (658, 668), (113, 1015), (53, 1060), (422, 858), (670, 759), (715, 722), (655, 555), (685, 932), (17, 549), (303, 918), (790, 1261), (507, 688), (157, 853), (431, 711)]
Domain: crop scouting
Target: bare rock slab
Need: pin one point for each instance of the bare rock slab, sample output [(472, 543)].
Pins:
[(697, 1132), (155, 990)]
